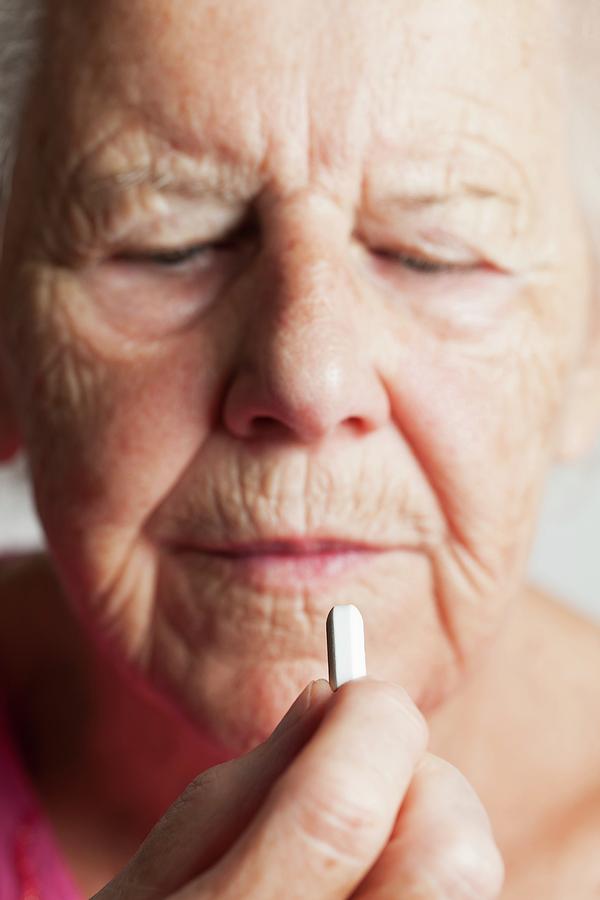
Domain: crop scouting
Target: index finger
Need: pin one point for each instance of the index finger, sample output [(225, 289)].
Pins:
[(331, 813)]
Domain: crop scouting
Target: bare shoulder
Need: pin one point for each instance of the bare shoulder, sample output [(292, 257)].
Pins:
[(551, 846), (569, 644), (564, 866), (571, 857), (567, 661), (576, 843)]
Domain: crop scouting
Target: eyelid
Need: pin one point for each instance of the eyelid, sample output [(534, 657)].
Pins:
[(167, 256), (427, 265), (176, 257), (427, 250)]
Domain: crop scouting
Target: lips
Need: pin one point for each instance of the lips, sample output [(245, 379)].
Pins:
[(288, 547), (285, 565)]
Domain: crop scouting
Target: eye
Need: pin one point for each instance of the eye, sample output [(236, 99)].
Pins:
[(423, 264), (176, 257), (241, 238)]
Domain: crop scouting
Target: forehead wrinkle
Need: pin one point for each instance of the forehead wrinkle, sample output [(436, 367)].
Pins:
[(319, 158)]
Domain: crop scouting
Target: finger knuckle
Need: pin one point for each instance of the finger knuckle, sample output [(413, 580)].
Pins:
[(395, 704), (336, 825), (456, 792), (443, 776), (201, 785), (471, 869)]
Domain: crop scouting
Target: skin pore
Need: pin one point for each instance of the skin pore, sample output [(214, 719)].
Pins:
[(286, 270)]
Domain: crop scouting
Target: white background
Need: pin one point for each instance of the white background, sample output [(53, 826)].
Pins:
[(565, 558)]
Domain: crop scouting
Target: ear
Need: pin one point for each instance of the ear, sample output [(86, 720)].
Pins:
[(10, 439), (579, 427)]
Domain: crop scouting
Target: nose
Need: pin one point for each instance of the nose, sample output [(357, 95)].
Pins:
[(307, 362)]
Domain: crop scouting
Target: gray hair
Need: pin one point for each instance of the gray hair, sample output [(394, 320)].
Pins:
[(20, 24)]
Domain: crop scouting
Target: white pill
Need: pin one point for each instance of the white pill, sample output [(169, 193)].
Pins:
[(345, 645)]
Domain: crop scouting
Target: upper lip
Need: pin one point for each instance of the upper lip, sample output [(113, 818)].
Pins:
[(286, 546)]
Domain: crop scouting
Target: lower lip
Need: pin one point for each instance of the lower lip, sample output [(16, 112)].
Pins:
[(289, 571)]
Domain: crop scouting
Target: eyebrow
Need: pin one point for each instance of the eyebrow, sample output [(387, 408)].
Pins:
[(411, 194), (474, 169), (411, 185), (487, 203), (408, 199), (212, 183), (201, 177)]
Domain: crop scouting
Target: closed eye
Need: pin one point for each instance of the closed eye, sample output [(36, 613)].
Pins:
[(178, 257), (182, 257), (423, 264)]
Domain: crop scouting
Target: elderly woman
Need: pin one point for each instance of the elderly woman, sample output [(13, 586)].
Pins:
[(297, 306)]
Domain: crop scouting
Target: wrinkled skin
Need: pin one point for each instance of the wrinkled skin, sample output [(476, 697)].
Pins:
[(306, 373)]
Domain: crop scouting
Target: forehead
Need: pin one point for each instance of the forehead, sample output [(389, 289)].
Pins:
[(305, 84)]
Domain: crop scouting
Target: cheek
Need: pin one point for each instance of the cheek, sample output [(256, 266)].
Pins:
[(108, 433), (115, 428), (480, 414), (478, 418)]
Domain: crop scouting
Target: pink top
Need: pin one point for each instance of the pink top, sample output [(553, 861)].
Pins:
[(30, 864)]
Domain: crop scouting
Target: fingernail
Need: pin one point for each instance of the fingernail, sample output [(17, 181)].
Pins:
[(321, 690)]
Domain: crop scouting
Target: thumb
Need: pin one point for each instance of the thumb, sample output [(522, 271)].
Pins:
[(215, 808)]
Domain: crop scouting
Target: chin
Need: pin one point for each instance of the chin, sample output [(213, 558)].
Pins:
[(236, 706), (231, 659)]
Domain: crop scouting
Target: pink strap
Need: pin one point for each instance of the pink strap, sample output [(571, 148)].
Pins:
[(31, 867)]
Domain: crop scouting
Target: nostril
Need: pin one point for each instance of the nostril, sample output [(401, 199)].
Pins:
[(357, 424), (261, 420), (266, 425)]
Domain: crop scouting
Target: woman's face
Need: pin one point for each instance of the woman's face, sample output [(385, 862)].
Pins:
[(283, 271)]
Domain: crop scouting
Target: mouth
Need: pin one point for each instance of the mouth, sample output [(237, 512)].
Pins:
[(287, 564), (290, 547)]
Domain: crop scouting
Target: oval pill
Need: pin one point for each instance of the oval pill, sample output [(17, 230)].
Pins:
[(345, 645)]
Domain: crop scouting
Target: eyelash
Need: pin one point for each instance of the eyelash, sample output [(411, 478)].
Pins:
[(423, 264), (175, 259)]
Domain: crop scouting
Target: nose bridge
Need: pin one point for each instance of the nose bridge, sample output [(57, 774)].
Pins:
[(307, 338), (308, 300), (303, 364)]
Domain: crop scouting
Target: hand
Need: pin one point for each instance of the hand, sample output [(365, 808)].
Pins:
[(341, 801)]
